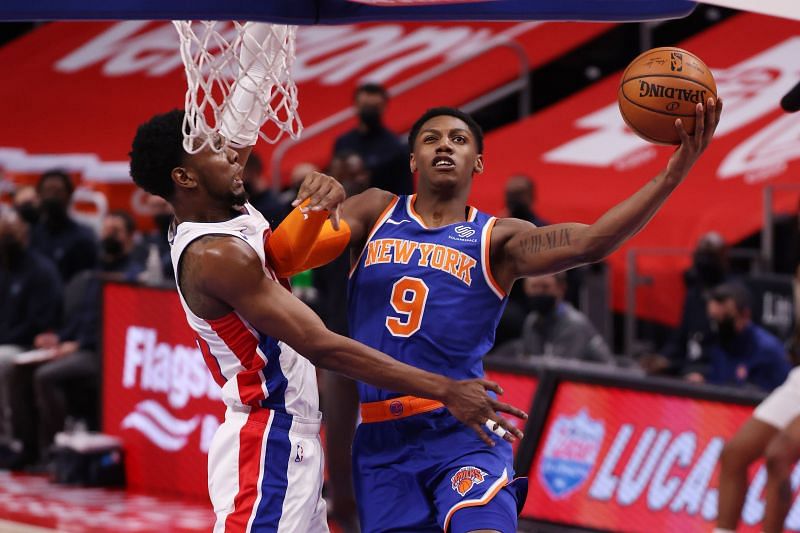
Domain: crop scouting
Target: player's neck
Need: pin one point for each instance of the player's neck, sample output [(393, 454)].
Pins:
[(439, 211), (205, 214)]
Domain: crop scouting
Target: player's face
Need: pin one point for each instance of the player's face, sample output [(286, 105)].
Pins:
[(218, 173), (446, 152)]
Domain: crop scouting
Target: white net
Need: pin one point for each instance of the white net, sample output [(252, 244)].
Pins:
[(239, 78)]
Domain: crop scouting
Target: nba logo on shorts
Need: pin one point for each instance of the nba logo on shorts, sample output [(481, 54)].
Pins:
[(570, 452), (676, 63)]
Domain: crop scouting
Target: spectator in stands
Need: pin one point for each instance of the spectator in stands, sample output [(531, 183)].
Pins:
[(157, 240), (520, 202), (384, 154), (26, 203), (553, 327), (74, 366), (740, 352), (116, 246), (338, 392), (69, 244), (685, 348), (521, 199), (262, 196), (30, 288), (70, 356), (30, 303)]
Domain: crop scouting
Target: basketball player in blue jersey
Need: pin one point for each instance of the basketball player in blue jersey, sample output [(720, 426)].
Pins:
[(259, 341), (429, 282)]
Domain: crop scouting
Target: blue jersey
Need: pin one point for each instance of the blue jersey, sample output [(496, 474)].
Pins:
[(426, 296)]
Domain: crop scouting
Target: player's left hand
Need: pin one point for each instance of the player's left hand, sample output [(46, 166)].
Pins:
[(705, 124), (468, 402), (323, 193)]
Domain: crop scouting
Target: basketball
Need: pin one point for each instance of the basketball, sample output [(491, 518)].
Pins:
[(661, 85)]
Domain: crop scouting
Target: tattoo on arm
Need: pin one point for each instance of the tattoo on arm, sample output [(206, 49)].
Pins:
[(548, 241)]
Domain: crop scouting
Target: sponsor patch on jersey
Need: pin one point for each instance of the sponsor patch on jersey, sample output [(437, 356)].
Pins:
[(466, 478)]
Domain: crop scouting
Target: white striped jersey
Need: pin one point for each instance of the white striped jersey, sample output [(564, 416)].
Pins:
[(252, 368)]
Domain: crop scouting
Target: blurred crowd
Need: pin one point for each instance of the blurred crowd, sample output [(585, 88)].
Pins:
[(53, 264)]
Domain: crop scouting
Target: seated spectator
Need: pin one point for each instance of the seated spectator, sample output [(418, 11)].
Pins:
[(709, 268), (261, 194), (553, 327), (385, 156), (338, 394), (30, 304), (521, 199), (74, 360), (30, 288), (157, 239), (26, 203), (740, 352), (117, 261), (69, 244)]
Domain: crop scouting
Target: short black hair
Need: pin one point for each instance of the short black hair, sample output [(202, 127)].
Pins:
[(732, 291), (56, 174), (474, 127), (157, 149), (371, 88), (127, 219)]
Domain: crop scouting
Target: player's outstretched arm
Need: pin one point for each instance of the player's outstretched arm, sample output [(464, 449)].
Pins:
[(230, 272), (519, 249)]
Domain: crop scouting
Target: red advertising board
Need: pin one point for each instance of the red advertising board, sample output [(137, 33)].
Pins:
[(518, 390), (624, 460), (158, 395)]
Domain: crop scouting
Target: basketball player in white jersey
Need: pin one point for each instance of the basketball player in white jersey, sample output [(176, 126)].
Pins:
[(265, 461)]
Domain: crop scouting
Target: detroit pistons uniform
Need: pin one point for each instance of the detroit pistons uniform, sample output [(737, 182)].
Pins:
[(426, 296), (265, 461)]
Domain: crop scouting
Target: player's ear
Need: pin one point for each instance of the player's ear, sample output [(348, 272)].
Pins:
[(478, 167), (183, 178), (413, 163)]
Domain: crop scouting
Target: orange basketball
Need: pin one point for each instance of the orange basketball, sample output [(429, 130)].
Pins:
[(661, 85)]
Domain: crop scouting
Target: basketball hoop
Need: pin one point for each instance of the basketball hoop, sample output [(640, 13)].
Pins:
[(239, 78)]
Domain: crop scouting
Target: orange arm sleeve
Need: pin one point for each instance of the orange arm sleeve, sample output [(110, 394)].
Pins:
[(329, 245), (299, 244), (290, 244)]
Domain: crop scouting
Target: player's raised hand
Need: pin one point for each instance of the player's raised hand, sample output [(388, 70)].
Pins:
[(323, 193), (706, 121), (468, 402)]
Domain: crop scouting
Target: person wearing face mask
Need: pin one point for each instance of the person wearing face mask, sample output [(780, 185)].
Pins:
[(686, 345), (739, 352), (553, 327), (30, 304), (69, 244), (70, 355), (385, 155), (116, 246), (26, 204)]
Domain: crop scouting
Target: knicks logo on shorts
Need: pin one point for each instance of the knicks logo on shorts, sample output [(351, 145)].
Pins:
[(466, 478)]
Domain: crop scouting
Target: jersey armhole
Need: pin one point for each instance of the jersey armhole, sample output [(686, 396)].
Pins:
[(486, 265), (387, 212)]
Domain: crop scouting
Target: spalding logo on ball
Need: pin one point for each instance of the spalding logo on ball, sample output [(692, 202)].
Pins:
[(661, 85)]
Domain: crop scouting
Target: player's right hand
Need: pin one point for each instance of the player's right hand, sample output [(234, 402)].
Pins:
[(468, 402), (323, 193)]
